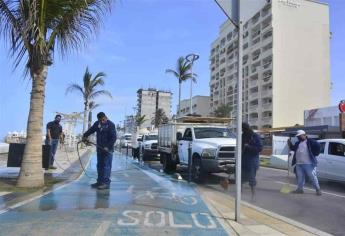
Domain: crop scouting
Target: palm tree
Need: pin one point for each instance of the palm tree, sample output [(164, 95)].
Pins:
[(223, 111), (140, 120), (159, 118), (89, 91), (182, 73), (92, 106), (33, 29)]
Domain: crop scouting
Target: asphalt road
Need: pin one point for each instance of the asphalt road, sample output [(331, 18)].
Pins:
[(326, 212)]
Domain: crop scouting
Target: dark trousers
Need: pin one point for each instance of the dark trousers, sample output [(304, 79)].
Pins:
[(249, 170), (53, 147), (104, 161)]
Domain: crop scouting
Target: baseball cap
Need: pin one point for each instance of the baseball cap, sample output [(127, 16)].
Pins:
[(300, 132)]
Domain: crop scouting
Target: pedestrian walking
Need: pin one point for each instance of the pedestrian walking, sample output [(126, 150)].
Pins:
[(306, 150), (251, 148), (54, 132), (106, 137)]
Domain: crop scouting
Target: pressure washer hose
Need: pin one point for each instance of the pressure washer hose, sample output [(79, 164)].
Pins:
[(96, 145)]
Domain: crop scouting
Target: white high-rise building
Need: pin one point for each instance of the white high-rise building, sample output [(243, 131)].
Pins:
[(286, 63), (150, 100), (200, 106)]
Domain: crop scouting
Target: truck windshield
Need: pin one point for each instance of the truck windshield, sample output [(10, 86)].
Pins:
[(151, 137), (209, 132)]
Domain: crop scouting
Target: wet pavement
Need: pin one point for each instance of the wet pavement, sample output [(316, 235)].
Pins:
[(140, 201)]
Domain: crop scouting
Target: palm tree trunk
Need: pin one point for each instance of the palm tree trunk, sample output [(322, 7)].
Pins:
[(89, 120), (179, 99), (31, 173), (86, 115)]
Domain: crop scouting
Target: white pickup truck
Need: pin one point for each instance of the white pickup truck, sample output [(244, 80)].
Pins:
[(148, 146), (213, 148)]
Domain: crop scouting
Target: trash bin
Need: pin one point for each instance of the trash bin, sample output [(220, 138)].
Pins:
[(16, 152)]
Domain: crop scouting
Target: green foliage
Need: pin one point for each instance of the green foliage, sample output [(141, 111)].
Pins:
[(222, 111), (33, 29), (89, 88), (139, 120), (159, 118)]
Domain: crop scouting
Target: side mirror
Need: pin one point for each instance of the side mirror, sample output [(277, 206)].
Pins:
[(179, 136)]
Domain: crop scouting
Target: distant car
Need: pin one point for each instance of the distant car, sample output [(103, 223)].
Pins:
[(149, 146), (331, 161), (126, 140)]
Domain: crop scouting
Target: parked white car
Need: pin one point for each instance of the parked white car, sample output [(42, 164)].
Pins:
[(331, 161)]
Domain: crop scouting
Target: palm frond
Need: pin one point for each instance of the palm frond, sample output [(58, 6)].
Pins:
[(75, 87), (93, 105), (100, 93), (170, 71), (79, 19)]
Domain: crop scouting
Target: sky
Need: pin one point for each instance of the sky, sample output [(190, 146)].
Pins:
[(137, 43)]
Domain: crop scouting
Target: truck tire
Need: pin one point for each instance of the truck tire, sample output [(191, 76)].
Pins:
[(168, 164), (197, 172)]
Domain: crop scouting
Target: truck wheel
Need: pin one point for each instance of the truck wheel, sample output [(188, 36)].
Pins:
[(168, 165), (197, 173), (161, 157), (144, 156)]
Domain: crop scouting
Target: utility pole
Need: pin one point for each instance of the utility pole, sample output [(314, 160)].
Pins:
[(232, 9)]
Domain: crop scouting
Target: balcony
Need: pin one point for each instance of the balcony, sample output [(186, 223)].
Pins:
[(266, 93), (267, 65), (266, 11), (254, 108), (253, 120), (256, 41), (267, 119), (256, 18), (266, 23), (253, 83), (267, 106)]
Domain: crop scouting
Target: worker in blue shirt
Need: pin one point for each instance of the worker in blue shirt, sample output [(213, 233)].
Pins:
[(106, 137)]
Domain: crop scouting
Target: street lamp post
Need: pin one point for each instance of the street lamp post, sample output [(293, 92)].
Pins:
[(191, 58), (232, 10)]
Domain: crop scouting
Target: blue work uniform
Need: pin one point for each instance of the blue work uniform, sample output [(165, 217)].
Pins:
[(250, 157), (106, 137)]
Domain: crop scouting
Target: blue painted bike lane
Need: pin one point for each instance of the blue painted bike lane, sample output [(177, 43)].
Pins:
[(140, 202)]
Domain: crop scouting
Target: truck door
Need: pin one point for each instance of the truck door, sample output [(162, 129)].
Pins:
[(183, 145)]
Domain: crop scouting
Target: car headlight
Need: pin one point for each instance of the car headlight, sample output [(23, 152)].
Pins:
[(209, 153)]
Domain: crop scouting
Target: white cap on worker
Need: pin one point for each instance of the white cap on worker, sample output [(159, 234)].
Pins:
[(300, 132)]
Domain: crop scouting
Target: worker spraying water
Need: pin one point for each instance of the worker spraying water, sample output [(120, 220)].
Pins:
[(106, 137)]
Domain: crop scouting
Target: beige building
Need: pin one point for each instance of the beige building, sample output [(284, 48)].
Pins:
[(286, 63), (149, 100), (200, 106)]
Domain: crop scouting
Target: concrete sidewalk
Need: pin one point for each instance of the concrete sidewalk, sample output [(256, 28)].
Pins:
[(141, 201), (68, 169)]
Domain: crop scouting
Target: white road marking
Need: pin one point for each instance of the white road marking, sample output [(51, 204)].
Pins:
[(103, 228), (311, 189), (130, 189)]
